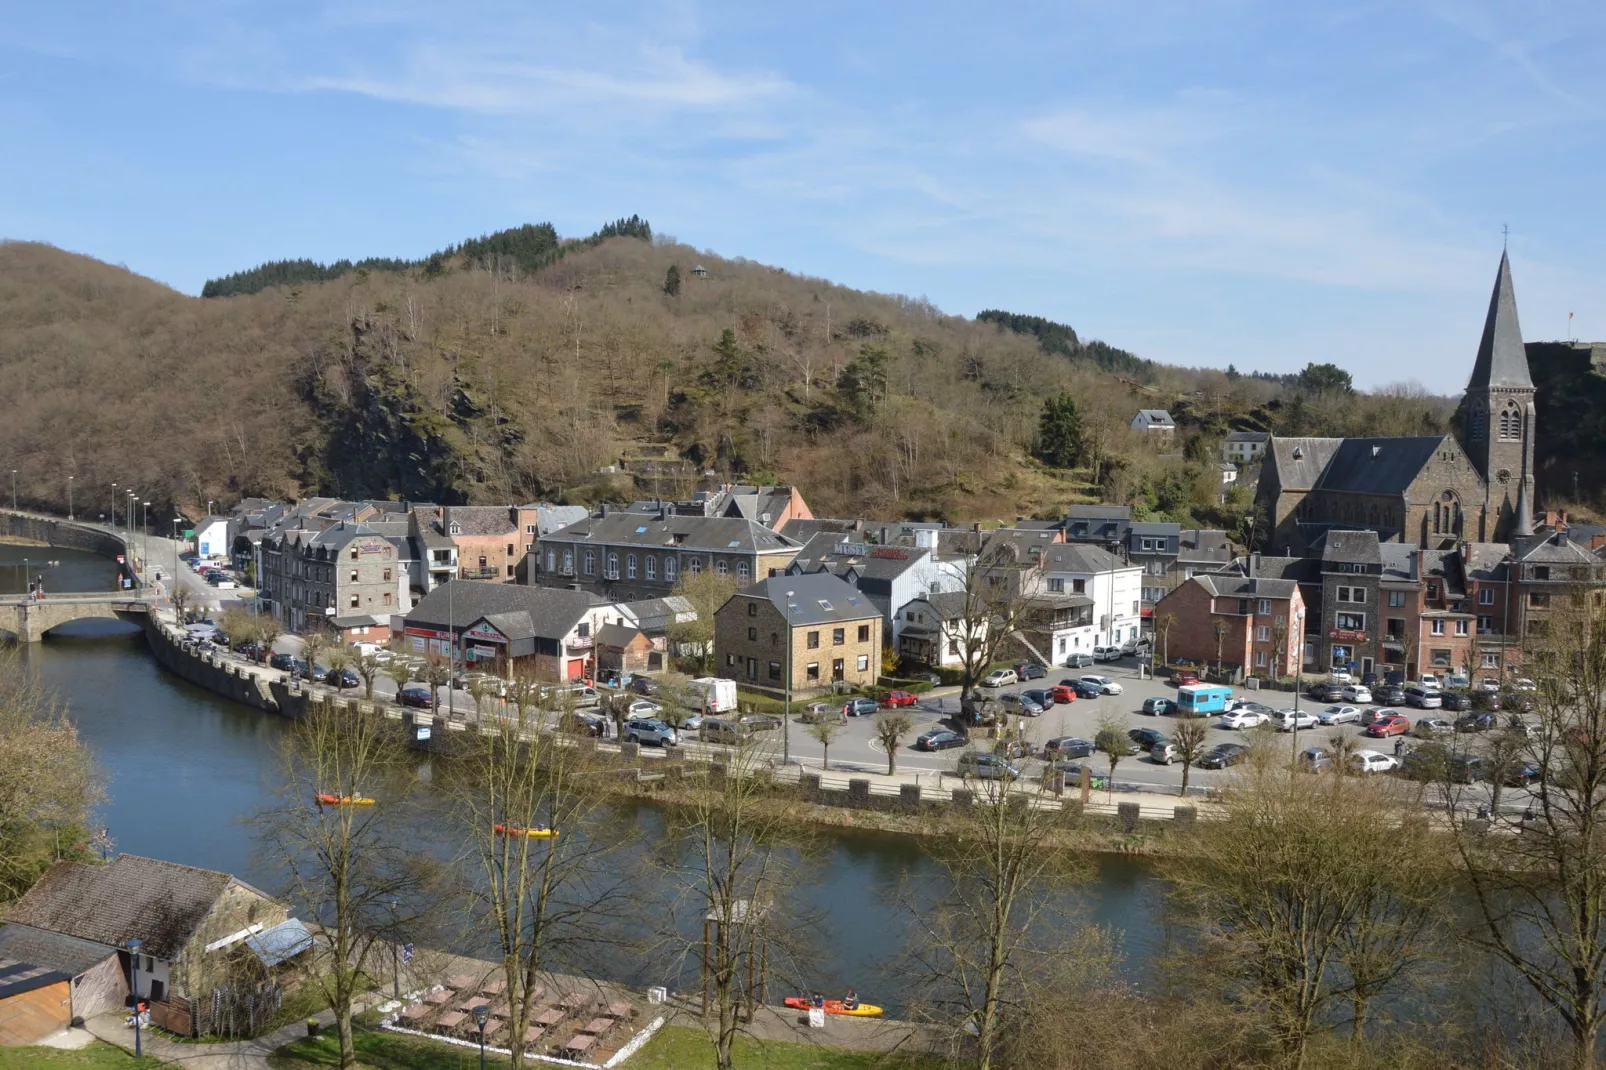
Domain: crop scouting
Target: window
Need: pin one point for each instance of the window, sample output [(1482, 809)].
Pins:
[(864, 633), (387, 575), (669, 570), (1541, 572), (551, 560), (1079, 586), (1351, 622), (630, 566), (529, 529), (744, 572), (611, 572), (1356, 595), (353, 601), (1461, 627), (722, 568), (1265, 607), (1441, 657), (1485, 625), (1539, 598), (1396, 599), (752, 668), (752, 635), (696, 566), (354, 553), (775, 639), (837, 671), (510, 570), (813, 642), (1436, 628), (1486, 597), (775, 670), (387, 598), (1260, 659), (1056, 586), (1262, 634), (353, 575), (1491, 660), (838, 636), (811, 671), (652, 568), (1433, 590), (752, 609), (730, 659), (591, 562), (864, 663)]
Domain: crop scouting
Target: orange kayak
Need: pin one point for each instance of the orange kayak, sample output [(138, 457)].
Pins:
[(529, 834), (344, 800), (835, 1006)]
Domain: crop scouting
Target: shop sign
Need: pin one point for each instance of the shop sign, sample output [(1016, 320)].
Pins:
[(1343, 633)]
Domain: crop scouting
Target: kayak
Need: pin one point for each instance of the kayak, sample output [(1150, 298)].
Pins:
[(529, 834), (834, 1006), (344, 800)]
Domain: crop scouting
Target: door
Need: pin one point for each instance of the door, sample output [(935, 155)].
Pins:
[(1366, 665), (836, 669)]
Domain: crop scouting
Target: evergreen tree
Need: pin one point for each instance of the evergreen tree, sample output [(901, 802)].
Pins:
[(672, 280), (1059, 433)]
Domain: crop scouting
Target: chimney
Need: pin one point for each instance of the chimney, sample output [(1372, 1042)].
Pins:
[(1254, 564), (604, 510), (1561, 537), (1466, 552)]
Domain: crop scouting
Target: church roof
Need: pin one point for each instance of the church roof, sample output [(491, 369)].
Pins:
[(1299, 462), (1379, 465), (1501, 358)]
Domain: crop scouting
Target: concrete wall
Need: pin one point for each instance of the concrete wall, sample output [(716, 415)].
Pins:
[(51, 531), (238, 685)]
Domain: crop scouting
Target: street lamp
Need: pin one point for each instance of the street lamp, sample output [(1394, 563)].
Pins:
[(13, 490), (133, 958), (114, 505), (481, 1013), (395, 953), (69, 497)]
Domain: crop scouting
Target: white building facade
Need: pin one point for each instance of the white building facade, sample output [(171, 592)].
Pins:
[(1112, 612)]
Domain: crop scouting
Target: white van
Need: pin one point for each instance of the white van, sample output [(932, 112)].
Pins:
[(1423, 698), (714, 694)]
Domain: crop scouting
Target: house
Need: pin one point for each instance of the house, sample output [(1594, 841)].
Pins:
[(935, 630), (800, 634), (47, 980), (1250, 624), (504, 628), (628, 556), (345, 575), (1153, 547), (1371, 603), (890, 576), (1229, 478), (184, 918), (1105, 525), (1106, 589), (213, 537), (1244, 447), (622, 648), (1154, 421)]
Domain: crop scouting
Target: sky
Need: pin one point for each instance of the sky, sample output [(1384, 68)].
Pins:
[(1200, 182)]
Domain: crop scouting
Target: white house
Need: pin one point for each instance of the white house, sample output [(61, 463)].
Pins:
[(934, 629), (1244, 447), (1105, 591), (212, 537), (1155, 420)]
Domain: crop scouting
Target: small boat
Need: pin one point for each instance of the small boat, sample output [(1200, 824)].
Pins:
[(529, 834), (835, 1006), (344, 800)]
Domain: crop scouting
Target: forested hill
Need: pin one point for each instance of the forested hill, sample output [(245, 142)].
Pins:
[(1061, 339), (528, 248)]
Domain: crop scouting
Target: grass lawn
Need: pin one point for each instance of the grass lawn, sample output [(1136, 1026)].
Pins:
[(672, 1048), (97, 1055)]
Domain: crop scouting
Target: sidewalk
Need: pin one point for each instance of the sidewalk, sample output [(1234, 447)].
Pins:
[(224, 1055)]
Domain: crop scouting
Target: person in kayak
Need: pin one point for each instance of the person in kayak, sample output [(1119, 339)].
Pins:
[(851, 1001), (819, 1001)]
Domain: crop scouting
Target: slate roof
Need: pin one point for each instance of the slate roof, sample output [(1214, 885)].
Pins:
[(1400, 560), (1204, 544), (1299, 462), (717, 534), (54, 951), (1555, 548), (1249, 436), (161, 903), (1153, 529), (547, 612), (1501, 359), (19, 977), (1486, 561), (799, 599), (1379, 465), (1099, 512), (949, 605), (616, 635), (1080, 557), (1229, 585), (478, 520), (802, 529), (1154, 418), (550, 518), (657, 614), (1354, 547)]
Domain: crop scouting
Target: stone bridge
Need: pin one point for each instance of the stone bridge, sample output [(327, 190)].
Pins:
[(28, 619)]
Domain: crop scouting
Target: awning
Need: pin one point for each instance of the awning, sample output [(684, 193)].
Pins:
[(281, 943)]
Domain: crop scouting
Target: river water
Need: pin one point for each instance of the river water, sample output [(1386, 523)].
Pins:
[(186, 769)]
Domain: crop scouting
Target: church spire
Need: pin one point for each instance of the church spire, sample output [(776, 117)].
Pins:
[(1501, 359)]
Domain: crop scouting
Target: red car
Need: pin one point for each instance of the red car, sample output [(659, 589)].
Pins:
[(894, 699), (1183, 679), (1062, 694), (1390, 724)]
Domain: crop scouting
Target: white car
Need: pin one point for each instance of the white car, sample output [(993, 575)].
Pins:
[(1373, 761), (1357, 693), (1000, 677), (1290, 721), (1489, 684), (1243, 719), (1106, 653), (1105, 685), (1525, 685), (642, 710), (1340, 676), (1457, 682), (1339, 715), (1429, 681)]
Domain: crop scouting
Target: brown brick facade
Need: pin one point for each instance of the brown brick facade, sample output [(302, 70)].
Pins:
[(751, 641)]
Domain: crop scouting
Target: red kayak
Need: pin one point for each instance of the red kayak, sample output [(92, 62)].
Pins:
[(835, 1006)]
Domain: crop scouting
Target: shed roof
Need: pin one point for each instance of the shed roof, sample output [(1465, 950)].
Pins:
[(56, 951), (281, 943)]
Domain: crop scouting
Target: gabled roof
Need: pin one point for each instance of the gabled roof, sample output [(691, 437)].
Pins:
[(817, 598), (657, 614), (1400, 561), (1080, 557), (1501, 359), (1204, 544), (517, 611), (1298, 463), (55, 951), (708, 534), (1155, 528), (1249, 436), (1556, 548), (1154, 418), (1351, 547), (1379, 465), (617, 635), (161, 903), (1486, 561), (479, 520), (1229, 585)]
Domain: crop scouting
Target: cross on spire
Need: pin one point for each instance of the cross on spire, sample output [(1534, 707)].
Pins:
[(1505, 236)]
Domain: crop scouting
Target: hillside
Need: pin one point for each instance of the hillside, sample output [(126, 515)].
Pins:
[(478, 380)]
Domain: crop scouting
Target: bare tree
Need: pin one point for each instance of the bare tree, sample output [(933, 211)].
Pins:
[(890, 728), (1220, 628), (825, 729), (1113, 740), (1191, 738), (368, 667), (437, 674), (268, 632), (1162, 631), (992, 606)]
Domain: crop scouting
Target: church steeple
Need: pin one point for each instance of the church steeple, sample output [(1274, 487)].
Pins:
[(1497, 415)]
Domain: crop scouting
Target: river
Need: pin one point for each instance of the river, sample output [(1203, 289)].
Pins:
[(186, 769)]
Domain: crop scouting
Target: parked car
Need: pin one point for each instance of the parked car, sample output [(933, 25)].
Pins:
[(1325, 692), (1522, 775), (1430, 680), (1476, 722), (1490, 684), (1157, 707), (641, 685), (1341, 676), (1315, 759), (576, 723), (642, 710), (1062, 692), (1030, 670), (1355, 693), (938, 739), (816, 712), (1106, 653), (1022, 703), (1339, 715), (1184, 678), (344, 679), (1458, 701), (1428, 727), (1067, 747), (1078, 660), (1373, 761), (1163, 753), (986, 766), (1105, 685), (1146, 738), (1293, 720), (1085, 689), (692, 725), (416, 697), (1371, 679), (1470, 768), (652, 732), (1224, 754), (282, 662), (1001, 678), (1524, 685), (1426, 761), (1457, 681), (1390, 695), (1243, 719), (1040, 696), (1391, 724), (895, 699), (1013, 749), (1250, 705), (1423, 697), (759, 722), (860, 707), (1132, 746)]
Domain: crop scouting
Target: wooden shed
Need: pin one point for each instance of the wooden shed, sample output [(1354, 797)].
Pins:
[(623, 648)]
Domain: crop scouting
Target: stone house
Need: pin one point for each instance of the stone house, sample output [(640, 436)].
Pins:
[(1372, 601), (803, 633), (1245, 618), (344, 576), (185, 918)]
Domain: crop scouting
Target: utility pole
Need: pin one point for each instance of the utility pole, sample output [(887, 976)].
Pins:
[(69, 497), (114, 505), (13, 490)]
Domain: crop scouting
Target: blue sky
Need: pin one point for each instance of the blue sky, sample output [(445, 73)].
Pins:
[(1201, 182)]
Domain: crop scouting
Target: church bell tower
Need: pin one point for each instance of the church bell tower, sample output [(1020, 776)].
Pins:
[(1497, 416)]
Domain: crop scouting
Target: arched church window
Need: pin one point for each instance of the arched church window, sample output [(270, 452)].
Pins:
[(1437, 519), (1510, 422)]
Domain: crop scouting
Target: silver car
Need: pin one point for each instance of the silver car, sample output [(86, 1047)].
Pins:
[(1339, 715), (653, 733)]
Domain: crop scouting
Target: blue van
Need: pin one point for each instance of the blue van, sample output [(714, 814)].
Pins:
[(1201, 700)]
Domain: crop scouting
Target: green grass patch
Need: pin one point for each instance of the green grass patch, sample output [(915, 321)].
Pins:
[(96, 1055), (682, 1048), (381, 1051)]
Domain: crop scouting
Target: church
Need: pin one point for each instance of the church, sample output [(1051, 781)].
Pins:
[(1431, 491)]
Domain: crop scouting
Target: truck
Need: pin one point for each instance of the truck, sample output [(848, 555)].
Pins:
[(714, 694), (1201, 700)]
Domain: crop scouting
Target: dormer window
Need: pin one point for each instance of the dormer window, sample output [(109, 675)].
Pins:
[(455, 528)]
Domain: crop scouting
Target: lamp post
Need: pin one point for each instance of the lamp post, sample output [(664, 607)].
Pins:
[(114, 505), (451, 652), (69, 497), (395, 953), (481, 1013), (133, 958), (13, 490), (209, 507)]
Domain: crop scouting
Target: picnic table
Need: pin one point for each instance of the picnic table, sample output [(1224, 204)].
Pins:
[(501, 1009), (440, 998), (494, 988), (575, 1001), (550, 1017), (620, 1010), (597, 1026), (493, 1026), (579, 1044), (532, 1034), (460, 981), (416, 1011), (450, 1021)]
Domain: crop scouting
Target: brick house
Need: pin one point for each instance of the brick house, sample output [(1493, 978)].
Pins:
[(186, 918), (1253, 616), (817, 624), (1549, 572), (1373, 600)]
